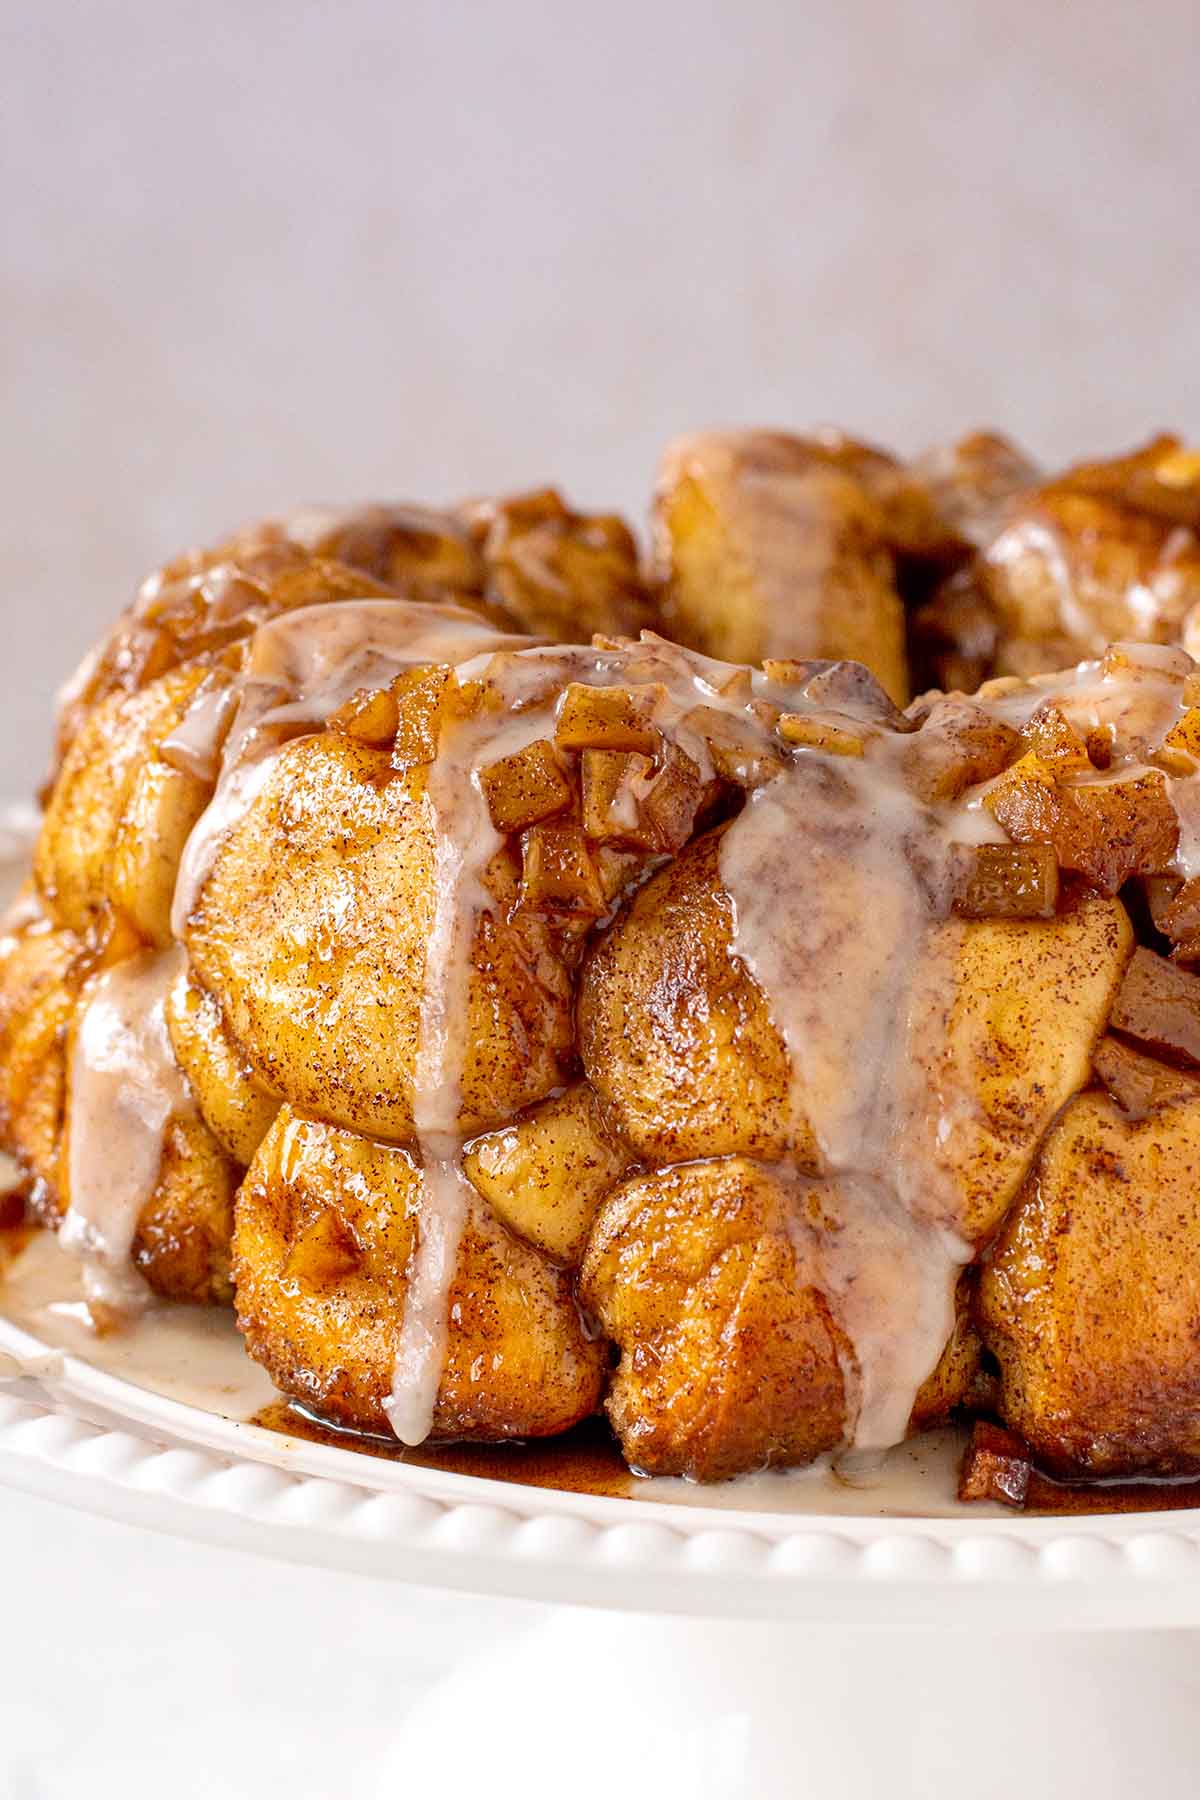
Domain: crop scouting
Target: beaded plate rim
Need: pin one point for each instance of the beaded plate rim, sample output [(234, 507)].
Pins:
[(77, 1436)]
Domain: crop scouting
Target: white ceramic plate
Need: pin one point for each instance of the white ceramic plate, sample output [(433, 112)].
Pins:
[(160, 1438)]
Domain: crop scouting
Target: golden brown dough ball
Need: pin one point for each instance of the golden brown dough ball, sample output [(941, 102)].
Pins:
[(326, 1225), (673, 1031), (772, 546), (1091, 1298), (312, 931), (730, 1356)]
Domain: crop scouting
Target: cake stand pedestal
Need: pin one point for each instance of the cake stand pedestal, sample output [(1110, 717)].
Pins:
[(600, 1704)]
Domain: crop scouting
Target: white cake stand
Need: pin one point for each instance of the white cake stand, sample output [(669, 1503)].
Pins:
[(701, 1647)]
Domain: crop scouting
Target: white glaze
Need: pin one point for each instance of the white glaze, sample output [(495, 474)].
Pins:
[(125, 1088), (523, 693), (836, 952), (465, 844), (301, 667)]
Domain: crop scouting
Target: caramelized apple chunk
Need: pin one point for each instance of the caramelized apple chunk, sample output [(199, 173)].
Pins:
[(371, 716), (959, 744), (1140, 1084), (841, 685), (1104, 830), (738, 747), (1053, 739), (424, 700), (996, 1466), (837, 737), (614, 785), (1005, 881), (630, 800), (672, 801), (526, 787), (609, 718), (1177, 914), (559, 876), (546, 1174), (1179, 752), (1158, 1006)]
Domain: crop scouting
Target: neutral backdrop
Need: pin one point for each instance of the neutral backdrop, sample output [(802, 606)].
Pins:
[(253, 253)]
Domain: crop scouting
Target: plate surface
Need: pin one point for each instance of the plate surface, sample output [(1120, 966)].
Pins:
[(153, 1428)]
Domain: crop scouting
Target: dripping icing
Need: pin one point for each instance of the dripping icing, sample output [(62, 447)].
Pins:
[(300, 669), (889, 1259), (125, 1090), (836, 956)]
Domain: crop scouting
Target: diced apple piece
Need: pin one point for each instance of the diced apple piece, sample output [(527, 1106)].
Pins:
[(995, 1467), (1178, 915), (1052, 737), (421, 697), (673, 800), (527, 787), (1006, 881), (1179, 752), (605, 719), (1140, 1084), (740, 750), (1104, 830), (959, 744), (1158, 1006), (372, 716), (546, 1175), (811, 731), (558, 875), (614, 784), (849, 686)]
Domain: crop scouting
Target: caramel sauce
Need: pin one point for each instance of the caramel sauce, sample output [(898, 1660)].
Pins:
[(587, 1460), (15, 1233), (583, 1461), (1049, 1498)]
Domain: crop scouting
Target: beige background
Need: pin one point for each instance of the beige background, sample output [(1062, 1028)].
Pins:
[(252, 253)]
